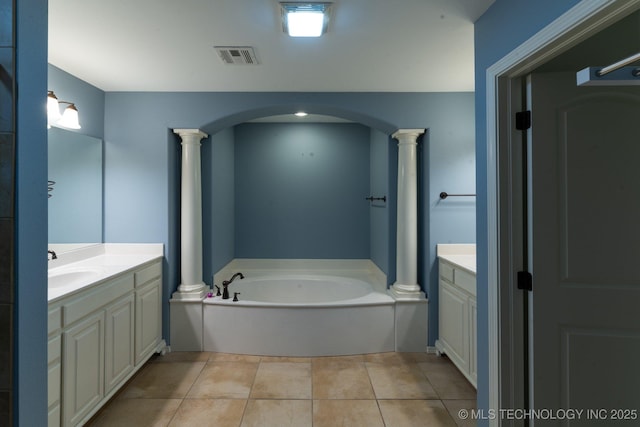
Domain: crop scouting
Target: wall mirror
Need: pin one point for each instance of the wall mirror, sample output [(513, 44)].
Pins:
[(75, 200)]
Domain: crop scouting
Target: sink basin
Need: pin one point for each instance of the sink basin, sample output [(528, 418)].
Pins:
[(73, 276)]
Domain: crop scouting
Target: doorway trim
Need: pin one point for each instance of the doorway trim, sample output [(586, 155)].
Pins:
[(581, 21)]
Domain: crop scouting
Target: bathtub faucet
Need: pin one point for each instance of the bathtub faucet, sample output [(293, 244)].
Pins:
[(226, 283)]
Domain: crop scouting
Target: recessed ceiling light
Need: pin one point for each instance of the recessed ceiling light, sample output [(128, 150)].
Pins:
[(305, 19), (301, 114)]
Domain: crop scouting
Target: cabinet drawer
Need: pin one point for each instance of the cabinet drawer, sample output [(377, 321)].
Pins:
[(148, 273), (465, 280), (104, 294), (446, 271)]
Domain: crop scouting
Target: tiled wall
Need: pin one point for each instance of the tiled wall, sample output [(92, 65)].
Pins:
[(7, 185)]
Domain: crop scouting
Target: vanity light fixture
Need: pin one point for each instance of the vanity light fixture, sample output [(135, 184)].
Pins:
[(305, 19), (301, 114), (68, 119)]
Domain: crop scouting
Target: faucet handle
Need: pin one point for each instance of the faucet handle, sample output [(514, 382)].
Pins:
[(235, 296), (217, 290)]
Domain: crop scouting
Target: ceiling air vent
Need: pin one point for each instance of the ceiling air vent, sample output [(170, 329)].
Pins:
[(237, 55)]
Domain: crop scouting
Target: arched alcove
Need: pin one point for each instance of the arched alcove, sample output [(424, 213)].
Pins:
[(240, 211)]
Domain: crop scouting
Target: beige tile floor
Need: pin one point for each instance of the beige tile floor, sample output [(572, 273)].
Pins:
[(220, 390)]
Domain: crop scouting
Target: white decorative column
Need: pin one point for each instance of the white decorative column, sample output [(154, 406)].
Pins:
[(406, 285), (191, 284)]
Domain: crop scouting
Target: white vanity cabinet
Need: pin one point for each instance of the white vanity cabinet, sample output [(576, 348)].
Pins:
[(105, 333), (457, 318)]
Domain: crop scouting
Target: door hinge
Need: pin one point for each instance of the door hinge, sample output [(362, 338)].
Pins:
[(523, 120), (525, 281)]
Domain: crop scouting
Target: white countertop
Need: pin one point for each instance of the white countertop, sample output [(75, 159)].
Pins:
[(103, 261), (461, 255)]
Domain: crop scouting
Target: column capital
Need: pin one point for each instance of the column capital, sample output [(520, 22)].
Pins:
[(407, 135), (190, 134)]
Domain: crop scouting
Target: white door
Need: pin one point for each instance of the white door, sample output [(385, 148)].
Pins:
[(584, 249)]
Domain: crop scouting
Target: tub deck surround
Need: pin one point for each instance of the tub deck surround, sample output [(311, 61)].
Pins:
[(301, 290), (301, 308), (300, 315), (361, 269), (76, 270)]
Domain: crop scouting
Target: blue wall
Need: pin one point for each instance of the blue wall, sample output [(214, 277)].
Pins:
[(450, 161), (323, 170), (300, 191), (379, 211), (506, 25), (218, 202)]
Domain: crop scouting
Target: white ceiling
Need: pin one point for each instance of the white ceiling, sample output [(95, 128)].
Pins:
[(167, 45)]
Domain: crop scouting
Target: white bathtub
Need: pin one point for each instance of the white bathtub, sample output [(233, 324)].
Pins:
[(300, 315)]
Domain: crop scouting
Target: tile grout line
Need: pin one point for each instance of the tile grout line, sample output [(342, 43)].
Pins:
[(187, 392), (253, 382), (375, 396), (313, 403)]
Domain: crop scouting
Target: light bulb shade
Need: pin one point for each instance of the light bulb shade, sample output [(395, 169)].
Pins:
[(53, 108), (70, 118), (305, 19)]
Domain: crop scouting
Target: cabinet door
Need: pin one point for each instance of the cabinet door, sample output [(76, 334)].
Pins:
[(148, 319), (473, 344), (119, 342), (83, 373), (453, 324)]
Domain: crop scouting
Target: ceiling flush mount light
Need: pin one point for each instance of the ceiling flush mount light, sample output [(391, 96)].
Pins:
[(305, 19), (68, 119), (301, 114)]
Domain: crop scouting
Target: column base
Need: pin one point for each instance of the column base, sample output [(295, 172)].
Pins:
[(195, 292), (186, 324), (411, 323), (406, 292)]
